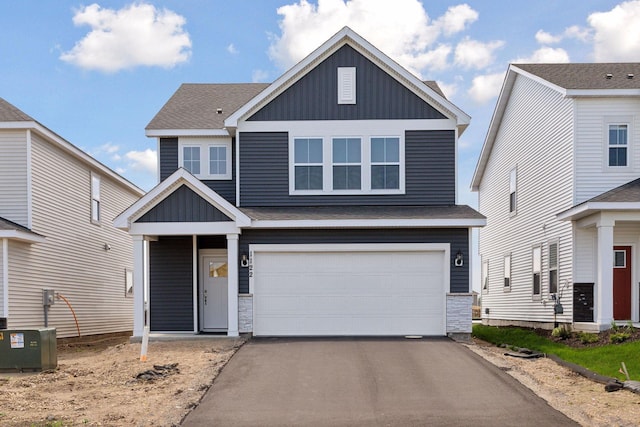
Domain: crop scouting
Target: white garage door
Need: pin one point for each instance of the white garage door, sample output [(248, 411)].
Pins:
[(311, 290)]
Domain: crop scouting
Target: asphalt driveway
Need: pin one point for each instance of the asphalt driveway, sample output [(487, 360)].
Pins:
[(367, 382)]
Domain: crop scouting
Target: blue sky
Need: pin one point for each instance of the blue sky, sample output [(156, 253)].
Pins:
[(96, 73)]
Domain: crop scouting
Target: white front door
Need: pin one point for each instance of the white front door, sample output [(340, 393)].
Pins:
[(213, 292)]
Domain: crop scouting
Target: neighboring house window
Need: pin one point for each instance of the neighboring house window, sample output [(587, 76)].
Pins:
[(618, 144), (95, 198), (191, 159), (206, 158), (512, 191), (553, 268), (536, 269), (385, 163), (346, 85), (347, 168), (485, 276), (507, 271), (308, 163)]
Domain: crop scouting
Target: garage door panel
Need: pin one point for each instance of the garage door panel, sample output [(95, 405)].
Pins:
[(349, 293)]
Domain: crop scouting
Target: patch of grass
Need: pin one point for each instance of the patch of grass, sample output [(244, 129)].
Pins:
[(604, 360)]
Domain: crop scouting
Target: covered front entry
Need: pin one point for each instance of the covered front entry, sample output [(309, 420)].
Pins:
[(349, 289)]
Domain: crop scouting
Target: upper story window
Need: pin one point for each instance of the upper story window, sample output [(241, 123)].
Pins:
[(618, 145), (385, 163), (308, 163), (346, 165), (206, 158), (513, 187), (536, 268), (95, 199), (347, 160)]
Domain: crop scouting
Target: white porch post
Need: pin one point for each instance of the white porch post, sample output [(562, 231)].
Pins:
[(138, 284), (604, 284), (232, 262)]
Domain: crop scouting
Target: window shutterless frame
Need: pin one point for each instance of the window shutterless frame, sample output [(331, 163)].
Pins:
[(206, 158), (95, 199), (507, 272), (536, 271)]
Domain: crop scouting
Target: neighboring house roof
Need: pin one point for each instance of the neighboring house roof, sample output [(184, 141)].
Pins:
[(625, 197), (11, 230), (196, 106), (569, 80), (343, 37), (13, 118)]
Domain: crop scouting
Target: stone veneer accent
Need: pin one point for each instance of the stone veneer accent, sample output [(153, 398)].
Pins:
[(245, 313), (459, 313)]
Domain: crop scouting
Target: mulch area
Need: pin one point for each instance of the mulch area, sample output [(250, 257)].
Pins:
[(584, 339)]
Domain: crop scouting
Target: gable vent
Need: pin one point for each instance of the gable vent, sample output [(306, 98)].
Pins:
[(219, 111), (609, 76), (346, 85)]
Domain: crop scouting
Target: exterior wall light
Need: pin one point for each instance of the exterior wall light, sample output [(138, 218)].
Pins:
[(459, 261)]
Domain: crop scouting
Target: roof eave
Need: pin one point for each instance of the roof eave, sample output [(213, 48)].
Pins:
[(159, 133)]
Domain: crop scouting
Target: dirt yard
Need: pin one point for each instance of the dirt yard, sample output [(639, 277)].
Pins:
[(96, 384)]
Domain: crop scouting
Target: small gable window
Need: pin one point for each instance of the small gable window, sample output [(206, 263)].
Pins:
[(206, 158), (346, 85), (618, 145), (95, 199)]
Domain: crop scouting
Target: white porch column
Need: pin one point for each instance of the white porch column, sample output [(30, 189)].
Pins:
[(604, 279), (232, 261), (138, 284)]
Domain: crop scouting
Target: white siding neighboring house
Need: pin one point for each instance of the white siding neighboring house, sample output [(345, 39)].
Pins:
[(556, 182), (51, 239)]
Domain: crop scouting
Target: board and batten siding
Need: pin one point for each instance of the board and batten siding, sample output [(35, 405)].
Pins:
[(593, 176), (535, 137), (458, 238), (13, 176), (429, 172), (73, 260)]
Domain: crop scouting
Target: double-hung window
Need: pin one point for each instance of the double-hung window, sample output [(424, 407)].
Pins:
[(536, 269), (347, 167), (618, 145), (308, 163), (385, 163), (507, 272), (95, 199), (513, 187), (206, 158), (553, 268)]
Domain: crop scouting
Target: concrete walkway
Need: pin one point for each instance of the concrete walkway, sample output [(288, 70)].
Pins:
[(367, 382)]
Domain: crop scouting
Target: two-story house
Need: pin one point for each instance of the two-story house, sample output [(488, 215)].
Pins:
[(57, 206), (321, 204), (558, 181)]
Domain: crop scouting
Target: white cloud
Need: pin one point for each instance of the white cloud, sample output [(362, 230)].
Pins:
[(578, 33), (145, 161), (476, 54), (232, 49), (402, 29), (109, 148), (543, 37), (486, 87), (617, 33), (545, 54), (138, 34), (259, 76)]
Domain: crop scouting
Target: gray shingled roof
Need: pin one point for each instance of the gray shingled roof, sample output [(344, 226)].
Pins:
[(588, 76), (6, 225), (626, 193), (194, 106), (9, 113), (360, 212)]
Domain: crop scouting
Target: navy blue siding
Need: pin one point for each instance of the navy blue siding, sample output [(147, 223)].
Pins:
[(171, 284), (315, 96), (457, 237), (169, 164), (429, 171), (184, 205)]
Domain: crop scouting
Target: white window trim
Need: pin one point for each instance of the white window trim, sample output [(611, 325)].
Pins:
[(95, 178), (204, 144), (327, 166), (536, 296), (618, 120), (513, 174), (510, 275)]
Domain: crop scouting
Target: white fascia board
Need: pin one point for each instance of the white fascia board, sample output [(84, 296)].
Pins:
[(71, 149), (348, 127), (371, 223), (184, 228), (562, 91), (161, 191), (576, 93), (153, 133), (588, 208), (22, 236), (347, 36)]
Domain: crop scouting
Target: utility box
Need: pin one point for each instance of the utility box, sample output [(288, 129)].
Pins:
[(28, 349)]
